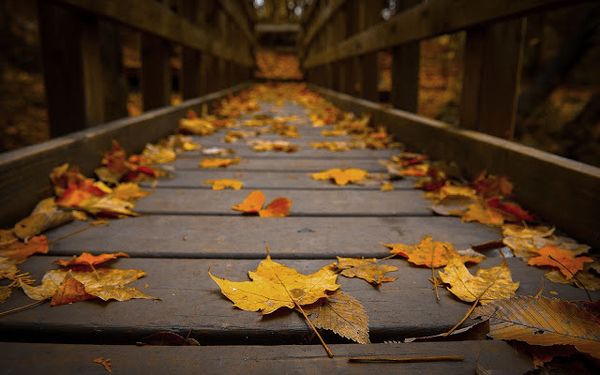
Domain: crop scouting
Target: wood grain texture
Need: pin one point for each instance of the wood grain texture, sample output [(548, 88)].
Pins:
[(191, 300), (247, 237), (305, 203), (66, 359), (427, 20), (562, 191), (289, 165)]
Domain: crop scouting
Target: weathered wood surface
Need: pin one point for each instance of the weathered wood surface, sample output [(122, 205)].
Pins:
[(495, 356), (240, 236), (562, 191), (427, 20), (288, 165), (190, 299), (26, 169), (305, 203)]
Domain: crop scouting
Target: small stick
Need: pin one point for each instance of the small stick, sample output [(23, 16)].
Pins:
[(405, 359), (435, 284), (69, 235), (463, 319), (21, 308)]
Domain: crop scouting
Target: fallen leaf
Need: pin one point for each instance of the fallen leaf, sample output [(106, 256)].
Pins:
[(562, 259), (488, 185), (225, 183), (487, 284), (252, 203), (526, 241), (331, 146), (587, 277), (367, 269), (542, 321), (105, 283), (511, 212), (70, 290), (130, 191), (7, 236), (388, 186), (5, 293), (341, 177), (159, 154), (87, 259), (46, 215), (218, 162), (20, 251), (104, 362), (429, 253), (333, 133), (274, 286), (342, 314), (279, 207), (477, 211)]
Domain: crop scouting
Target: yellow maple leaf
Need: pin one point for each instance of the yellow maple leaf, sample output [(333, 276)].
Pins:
[(388, 186), (274, 286), (225, 183), (341, 177), (218, 162), (367, 269), (487, 284)]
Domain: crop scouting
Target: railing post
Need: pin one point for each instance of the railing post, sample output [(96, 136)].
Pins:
[(492, 73), (70, 48), (156, 72), (190, 58), (369, 70), (405, 70)]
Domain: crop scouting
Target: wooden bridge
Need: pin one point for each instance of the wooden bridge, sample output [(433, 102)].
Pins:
[(186, 228)]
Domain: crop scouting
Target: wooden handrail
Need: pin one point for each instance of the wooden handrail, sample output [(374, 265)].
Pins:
[(429, 19), (152, 18), (321, 21), (232, 8)]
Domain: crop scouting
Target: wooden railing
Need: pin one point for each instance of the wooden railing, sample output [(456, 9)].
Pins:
[(338, 53), (84, 77), (342, 36)]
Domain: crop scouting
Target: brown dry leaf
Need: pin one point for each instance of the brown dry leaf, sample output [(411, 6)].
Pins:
[(333, 133), (225, 183), (195, 126), (20, 251), (5, 293), (542, 321), (477, 211), (487, 284), (526, 241), (274, 286), (46, 215), (342, 314), (430, 253), (7, 236), (158, 154), (69, 291), (366, 269), (87, 259), (331, 146), (341, 177), (107, 205), (261, 146), (562, 259), (588, 277), (104, 362), (130, 191), (105, 283)]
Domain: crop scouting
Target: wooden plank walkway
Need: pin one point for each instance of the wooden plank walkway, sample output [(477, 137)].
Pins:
[(188, 228)]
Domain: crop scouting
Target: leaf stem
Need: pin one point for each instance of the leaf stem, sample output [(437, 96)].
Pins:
[(405, 359), (21, 308), (69, 235), (463, 319), (329, 353), (575, 277)]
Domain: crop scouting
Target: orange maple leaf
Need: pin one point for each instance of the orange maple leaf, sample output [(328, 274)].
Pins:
[(87, 259), (563, 259), (279, 207), (20, 251), (430, 253), (488, 185), (218, 162), (252, 204), (511, 211)]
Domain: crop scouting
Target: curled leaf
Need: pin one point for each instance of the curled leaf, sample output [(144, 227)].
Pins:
[(367, 269), (252, 203), (279, 207)]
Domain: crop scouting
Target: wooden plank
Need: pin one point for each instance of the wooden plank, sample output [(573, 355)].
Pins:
[(265, 179), (246, 237), (405, 71), (560, 190), (192, 303), (493, 57), (190, 76), (321, 19), (156, 72), (151, 17), (430, 19), (66, 359), (114, 81), (26, 169), (305, 152), (70, 43), (289, 165), (304, 202)]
